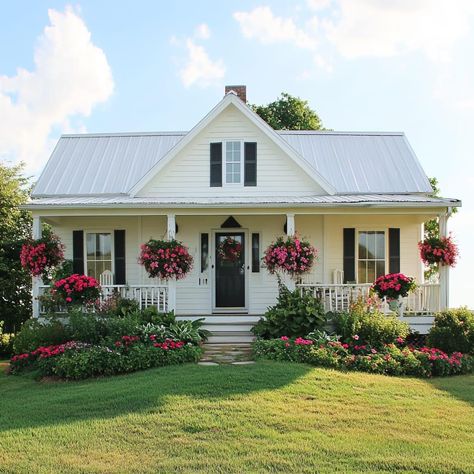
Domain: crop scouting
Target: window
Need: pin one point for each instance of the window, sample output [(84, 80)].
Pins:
[(233, 162), (371, 258), (204, 251), (255, 253), (99, 253)]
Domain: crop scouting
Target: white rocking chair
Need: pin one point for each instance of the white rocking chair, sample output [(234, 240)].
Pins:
[(106, 278)]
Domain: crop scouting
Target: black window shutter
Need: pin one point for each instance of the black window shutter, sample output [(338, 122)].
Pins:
[(250, 168), (216, 164), (78, 251), (119, 256), (394, 250), (349, 255)]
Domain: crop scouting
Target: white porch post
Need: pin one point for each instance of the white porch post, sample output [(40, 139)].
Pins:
[(36, 280), (290, 225), (171, 234), (444, 269), (290, 232)]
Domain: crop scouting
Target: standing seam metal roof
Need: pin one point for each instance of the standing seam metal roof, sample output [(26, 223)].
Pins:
[(353, 162)]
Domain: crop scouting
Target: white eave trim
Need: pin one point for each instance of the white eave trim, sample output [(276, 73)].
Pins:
[(231, 98), (170, 205)]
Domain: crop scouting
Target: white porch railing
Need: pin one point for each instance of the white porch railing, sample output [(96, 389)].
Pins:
[(145, 295), (425, 300)]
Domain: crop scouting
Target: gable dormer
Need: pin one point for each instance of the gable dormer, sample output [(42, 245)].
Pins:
[(232, 152)]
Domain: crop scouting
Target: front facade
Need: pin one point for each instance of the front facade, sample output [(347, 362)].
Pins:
[(359, 198)]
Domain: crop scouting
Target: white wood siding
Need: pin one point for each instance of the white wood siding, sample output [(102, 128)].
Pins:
[(187, 174), (325, 232)]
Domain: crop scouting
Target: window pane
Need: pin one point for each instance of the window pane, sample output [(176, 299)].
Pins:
[(370, 244), (380, 245), (370, 271), (90, 246), (362, 277), (362, 245), (380, 267), (91, 269), (104, 245)]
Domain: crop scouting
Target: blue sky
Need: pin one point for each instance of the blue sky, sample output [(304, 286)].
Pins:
[(145, 65)]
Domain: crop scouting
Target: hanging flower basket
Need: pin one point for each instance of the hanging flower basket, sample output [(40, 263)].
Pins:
[(290, 255), (442, 251), (229, 250), (393, 286), (77, 289), (166, 259), (41, 255)]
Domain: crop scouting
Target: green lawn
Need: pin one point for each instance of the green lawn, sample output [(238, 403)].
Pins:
[(269, 417)]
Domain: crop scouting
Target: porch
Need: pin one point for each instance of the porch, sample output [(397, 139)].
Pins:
[(201, 229)]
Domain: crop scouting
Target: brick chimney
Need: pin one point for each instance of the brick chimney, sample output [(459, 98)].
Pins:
[(241, 92)]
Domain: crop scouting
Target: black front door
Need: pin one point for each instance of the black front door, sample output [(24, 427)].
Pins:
[(230, 270)]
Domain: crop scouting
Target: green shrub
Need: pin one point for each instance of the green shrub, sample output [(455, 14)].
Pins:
[(44, 332), (295, 314), (453, 330), (374, 327), (100, 360)]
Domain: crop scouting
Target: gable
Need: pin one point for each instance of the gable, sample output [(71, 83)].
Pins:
[(187, 174)]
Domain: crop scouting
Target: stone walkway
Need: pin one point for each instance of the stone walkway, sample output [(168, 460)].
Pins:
[(219, 354)]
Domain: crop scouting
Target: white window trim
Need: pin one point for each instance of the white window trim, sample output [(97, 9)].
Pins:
[(368, 229), (224, 164), (112, 247)]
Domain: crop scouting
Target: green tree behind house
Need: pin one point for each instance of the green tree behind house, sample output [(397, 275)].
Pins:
[(289, 113), (15, 226)]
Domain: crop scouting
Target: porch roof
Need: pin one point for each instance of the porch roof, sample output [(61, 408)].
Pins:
[(349, 200)]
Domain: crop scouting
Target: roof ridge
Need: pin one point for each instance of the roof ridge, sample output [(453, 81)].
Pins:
[(123, 134), (333, 132)]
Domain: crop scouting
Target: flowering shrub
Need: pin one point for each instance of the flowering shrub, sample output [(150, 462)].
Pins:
[(390, 359), (77, 289), (21, 361), (165, 259), (290, 255), (393, 285), (40, 255), (435, 250), (229, 249), (76, 360)]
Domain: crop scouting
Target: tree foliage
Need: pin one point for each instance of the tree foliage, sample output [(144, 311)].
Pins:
[(15, 226), (289, 113)]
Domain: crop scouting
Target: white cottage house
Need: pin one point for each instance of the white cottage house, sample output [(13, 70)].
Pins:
[(360, 198)]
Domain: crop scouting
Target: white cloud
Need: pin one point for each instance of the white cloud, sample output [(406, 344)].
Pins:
[(71, 75), (202, 31), (199, 68), (264, 26), (383, 29), (318, 4)]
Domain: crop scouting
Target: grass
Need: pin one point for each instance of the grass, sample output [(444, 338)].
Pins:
[(267, 417)]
